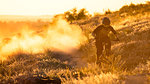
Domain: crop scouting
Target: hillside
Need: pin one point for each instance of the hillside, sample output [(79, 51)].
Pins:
[(130, 62)]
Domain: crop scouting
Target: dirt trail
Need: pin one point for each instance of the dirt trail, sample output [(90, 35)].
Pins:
[(74, 59), (137, 79)]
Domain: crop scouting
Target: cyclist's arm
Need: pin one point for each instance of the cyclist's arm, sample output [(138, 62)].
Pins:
[(94, 32), (112, 29)]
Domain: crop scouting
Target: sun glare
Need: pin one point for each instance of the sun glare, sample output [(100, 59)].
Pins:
[(51, 7)]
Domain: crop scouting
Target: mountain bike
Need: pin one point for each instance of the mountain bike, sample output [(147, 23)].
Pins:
[(104, 57)]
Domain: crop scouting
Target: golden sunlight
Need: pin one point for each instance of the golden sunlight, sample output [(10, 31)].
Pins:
[(74, 41)]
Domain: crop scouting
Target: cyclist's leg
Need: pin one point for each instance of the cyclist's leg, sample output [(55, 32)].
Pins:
[(99, 47), (108, 47)]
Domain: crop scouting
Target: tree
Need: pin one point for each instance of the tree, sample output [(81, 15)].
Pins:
[(82, 14), (72, 15)]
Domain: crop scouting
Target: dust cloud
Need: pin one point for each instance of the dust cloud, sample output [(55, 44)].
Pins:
[(59, 35)]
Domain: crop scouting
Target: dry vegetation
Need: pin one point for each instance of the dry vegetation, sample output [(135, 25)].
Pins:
[(130, 59)]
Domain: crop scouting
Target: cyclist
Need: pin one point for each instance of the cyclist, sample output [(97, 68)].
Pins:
[(101, 37)]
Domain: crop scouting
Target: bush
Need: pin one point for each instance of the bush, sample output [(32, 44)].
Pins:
[(72, 15)]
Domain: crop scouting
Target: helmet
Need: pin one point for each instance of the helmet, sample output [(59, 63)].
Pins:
[(106, 21)]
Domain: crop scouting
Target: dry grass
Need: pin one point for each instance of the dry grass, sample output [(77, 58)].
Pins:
[(130, 57)]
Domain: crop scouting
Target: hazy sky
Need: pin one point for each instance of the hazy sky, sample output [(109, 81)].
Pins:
[(50, 7)]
